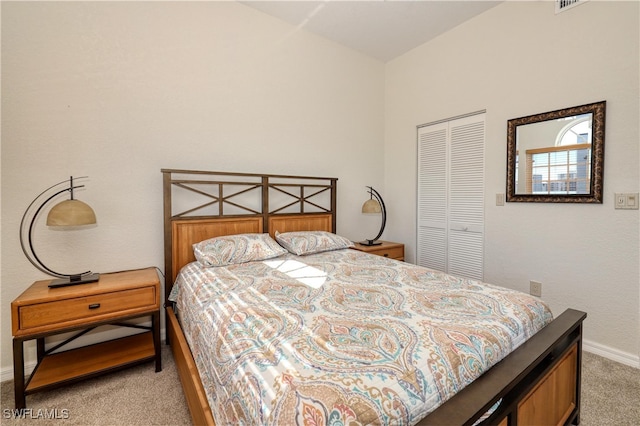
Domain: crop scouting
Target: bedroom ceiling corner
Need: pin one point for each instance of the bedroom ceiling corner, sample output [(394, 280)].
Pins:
[(381, 29)]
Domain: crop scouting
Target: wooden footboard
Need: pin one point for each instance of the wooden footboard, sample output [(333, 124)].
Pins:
[(538, 383)]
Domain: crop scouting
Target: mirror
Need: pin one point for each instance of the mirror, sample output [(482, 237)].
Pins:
[(557, 156)]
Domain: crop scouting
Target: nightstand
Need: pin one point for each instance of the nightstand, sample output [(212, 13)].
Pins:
[(41, 311), (386, 249)]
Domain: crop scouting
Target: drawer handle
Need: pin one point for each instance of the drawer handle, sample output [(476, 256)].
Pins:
[(94, 306), (386, 255)]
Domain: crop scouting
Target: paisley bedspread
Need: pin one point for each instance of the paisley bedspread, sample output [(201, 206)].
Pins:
[(343, 337)]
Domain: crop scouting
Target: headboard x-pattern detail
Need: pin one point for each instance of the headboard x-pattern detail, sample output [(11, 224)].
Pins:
[(236, 203)]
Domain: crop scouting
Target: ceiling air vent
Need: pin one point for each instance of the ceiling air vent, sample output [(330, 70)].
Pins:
[(562, 5)]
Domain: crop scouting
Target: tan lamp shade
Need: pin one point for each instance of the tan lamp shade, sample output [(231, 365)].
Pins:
[(71, 213), (371, 206)]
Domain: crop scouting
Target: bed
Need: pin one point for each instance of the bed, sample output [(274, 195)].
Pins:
[(331, 371)]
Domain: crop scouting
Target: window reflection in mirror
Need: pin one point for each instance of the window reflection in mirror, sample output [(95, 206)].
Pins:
[(557, 156)]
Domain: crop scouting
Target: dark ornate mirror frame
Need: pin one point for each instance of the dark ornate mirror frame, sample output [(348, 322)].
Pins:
[(597, 155)]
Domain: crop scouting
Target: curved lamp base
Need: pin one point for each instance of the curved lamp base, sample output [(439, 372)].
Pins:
[(371, 242), (74, 280)]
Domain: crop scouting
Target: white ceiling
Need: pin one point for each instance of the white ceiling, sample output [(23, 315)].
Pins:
[(378, 28)]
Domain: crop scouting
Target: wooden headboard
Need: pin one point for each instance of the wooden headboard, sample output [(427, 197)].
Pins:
[(200, 205)]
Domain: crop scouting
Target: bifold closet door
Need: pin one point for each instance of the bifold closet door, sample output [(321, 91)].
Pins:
[(451, 196)]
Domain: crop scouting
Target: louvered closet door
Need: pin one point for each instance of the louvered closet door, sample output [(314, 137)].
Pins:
[(432, 196), (451, 196)]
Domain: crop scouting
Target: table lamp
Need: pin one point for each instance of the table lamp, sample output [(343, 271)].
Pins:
[(68, 213), (374, 205)]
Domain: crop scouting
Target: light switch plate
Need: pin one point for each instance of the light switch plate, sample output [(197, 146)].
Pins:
[(626, 200), (632, 201)]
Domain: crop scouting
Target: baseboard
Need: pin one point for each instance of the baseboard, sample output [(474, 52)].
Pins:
[(610, 353), (7, 373)]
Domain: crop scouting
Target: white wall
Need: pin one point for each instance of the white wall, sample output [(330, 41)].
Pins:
[(517, 59), (119, 90)]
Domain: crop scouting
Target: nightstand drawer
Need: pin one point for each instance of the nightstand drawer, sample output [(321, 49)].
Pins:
[(390, 252), (65, 312)]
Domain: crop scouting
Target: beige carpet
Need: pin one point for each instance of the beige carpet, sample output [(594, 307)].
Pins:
[(610, 393), (139, 396), (136, 396)]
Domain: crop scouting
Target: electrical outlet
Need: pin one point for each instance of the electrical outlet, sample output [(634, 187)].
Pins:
[(535, 288)]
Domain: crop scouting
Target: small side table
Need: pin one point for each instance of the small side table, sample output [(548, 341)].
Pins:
[(386, 249), (41, 311)]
